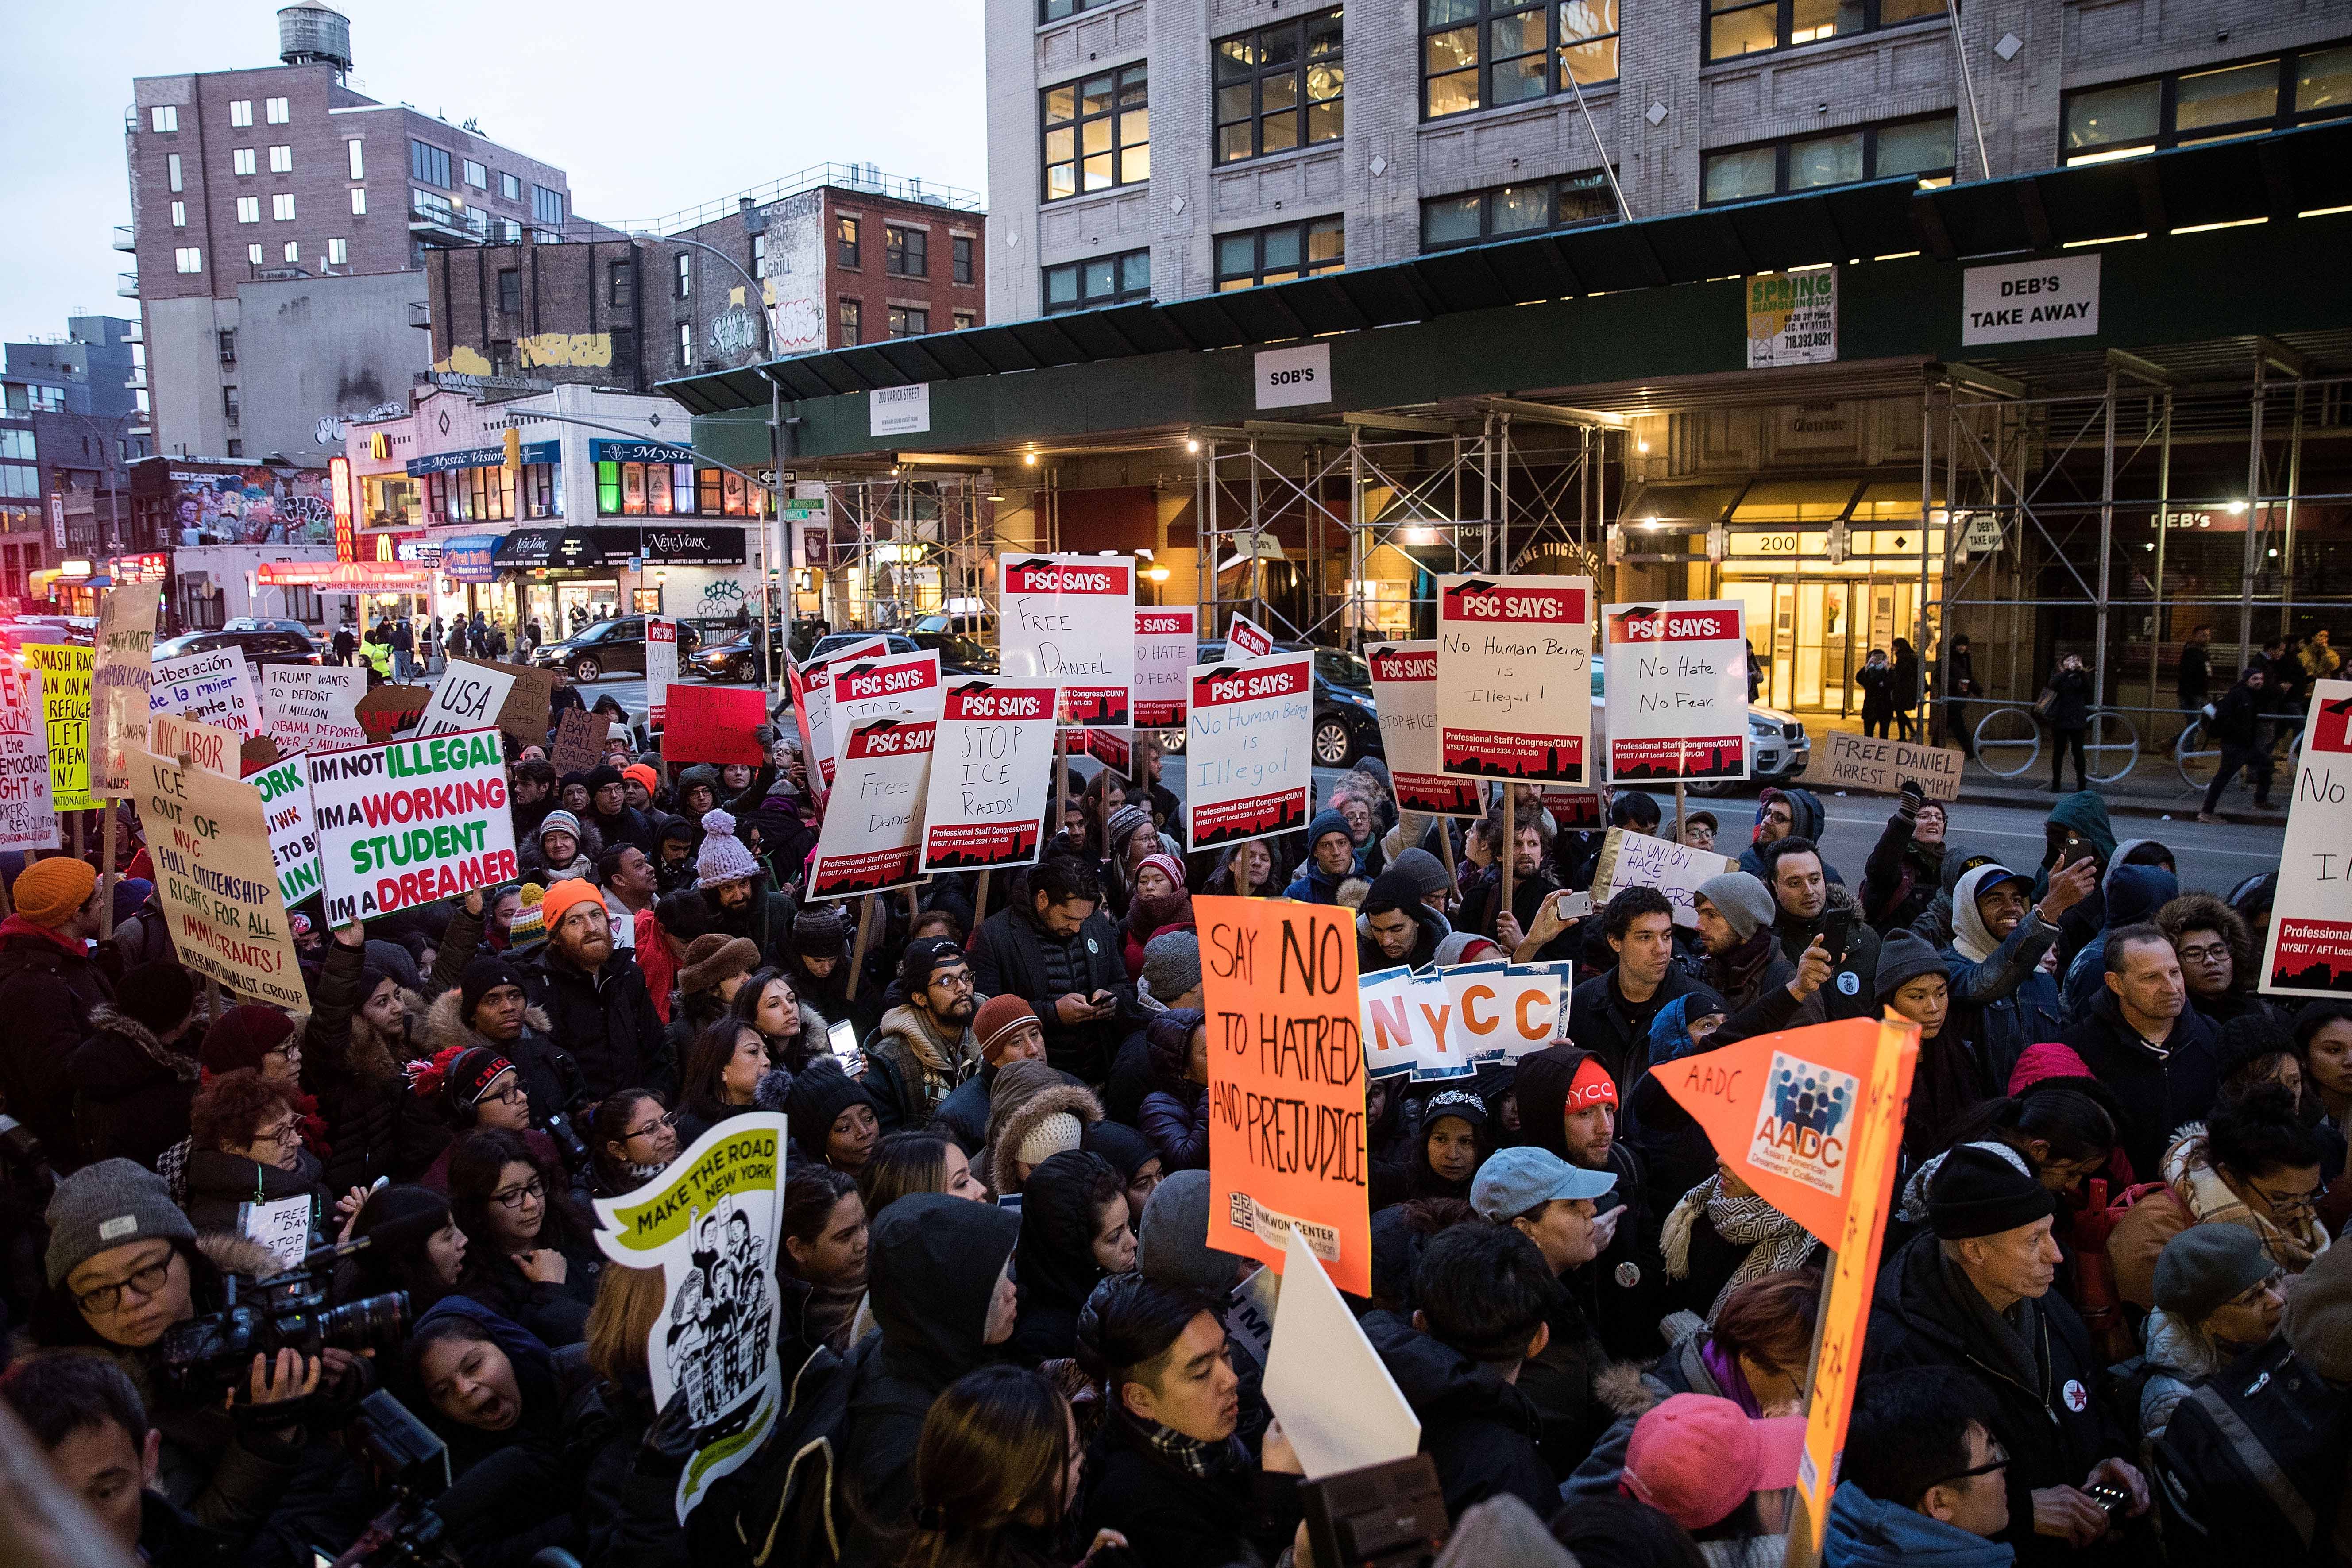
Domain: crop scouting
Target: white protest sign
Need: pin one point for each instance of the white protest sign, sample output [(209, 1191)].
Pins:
[(1638, 860), (1404, 1018), (29, 817), (872, 838), (1502, 1012), (119, 686), (1514, 677), (1248, 752), (902, 686), (1678, 690), (992, 776), (469, 698), (1166, 643), (661, 668), (1404, 689), (1330, 1390), (283, 1225), (412, 822), (211, 687), (285, 786), (812, 690), (1070, 619), (206, 835), (2309, 953), (311, 707), (1244, 638)]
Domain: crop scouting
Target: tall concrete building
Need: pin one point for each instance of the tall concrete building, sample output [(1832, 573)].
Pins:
[(280, 220), (1171, 148)]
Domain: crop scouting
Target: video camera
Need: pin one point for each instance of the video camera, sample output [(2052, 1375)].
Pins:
[(1389, 1515), (25, 1160), (415, 1463), (206, 1354)]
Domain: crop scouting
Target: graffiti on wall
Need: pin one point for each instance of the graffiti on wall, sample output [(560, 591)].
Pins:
[(721, 597), (587, 351), (252, 506), (463, 360)]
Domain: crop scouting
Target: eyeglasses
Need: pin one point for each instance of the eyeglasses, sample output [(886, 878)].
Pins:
[(2213, 953), (2252, 1294), (147, 1280), (516, 1197), (512, 1094), (2287, 1203), (287, 1131), (1999, 1461), (667, 1119), (289, 1051)]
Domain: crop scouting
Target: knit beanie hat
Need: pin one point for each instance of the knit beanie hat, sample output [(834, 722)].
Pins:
[(2205, 1266), (48, 891), (157, 996), (640, 773), (530, 920), (1983, 1191), (1590, 1086), (818, 929), (995, 1022), (107, 1205), (723, 856), (1171, 1246), (712, 957), (1167, 865), (129, 894), (819, 1094), (485, 975), (1745, 903), (1465, 947), (241, 1036), (600, 775), (470, 1073), (1391, 890), (932, 952), (1903, 958), (1327, 822), (1053, 1135), (702, 775), (1427, 871), (1125, 823), (560, 821), (562, 897), (1172, 967)]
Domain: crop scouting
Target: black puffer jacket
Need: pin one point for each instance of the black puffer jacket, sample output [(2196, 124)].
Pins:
[(1173, 1519), (1479, 1428), (550, 1074), (375, 1125), (628, 1506), (2158, 1090), (131, 1090), (50, 997), (221, 1184), (1013, 955), (1055, 1259), (606, 1020)]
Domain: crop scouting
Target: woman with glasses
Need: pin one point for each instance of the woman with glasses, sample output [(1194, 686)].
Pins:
[(632, 1139), (476, 1089), (719, 1076), (2219, 1294), (245, 1147), (530, 1254)]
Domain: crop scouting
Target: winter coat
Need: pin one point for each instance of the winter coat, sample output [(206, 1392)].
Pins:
[(1753, 980), (550, 1075), (963, 1115), (2234, 720), (2196, 1196), (1431, 928), (1852, 991), (131, 1091), (1629, 1390), (556, 1313), (1900, 877), (375, 1125), (1867, 1533), (1478, 1426), (2001, 1000), (220, 1184), (628, 1508), (907, 1073), (2071, 706), (606, 1019), (1176, 1119), (2180, 1355), (1877, 683), (630, 827), (1055, 1259), (1012, 955), (1173, 1519), (766, 922), (1028, 1092), (1527, 893), (50, 992), (1807, 818), (1616, 1030), (2159, 1089), (1619, 1290)]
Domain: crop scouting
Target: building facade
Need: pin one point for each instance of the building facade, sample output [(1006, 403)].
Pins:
[(72, 421), (1174, 148)]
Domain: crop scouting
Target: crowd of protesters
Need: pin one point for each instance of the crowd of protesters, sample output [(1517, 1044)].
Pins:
[(2110, 1325)]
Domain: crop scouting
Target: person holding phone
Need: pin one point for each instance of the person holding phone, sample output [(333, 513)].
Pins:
[(1056, 950), (2066, 704), (1807, 906)]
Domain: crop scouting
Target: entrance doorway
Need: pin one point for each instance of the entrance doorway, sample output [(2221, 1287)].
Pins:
[(1821, 630)]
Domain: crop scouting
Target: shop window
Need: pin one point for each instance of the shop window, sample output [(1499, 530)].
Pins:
[(1097, 133), (1506, 212), (647, 490), (1923, 149), (1487, 54), (1098, 281), (1279, 254), (2207, 105), (1279, 88), (1736, 27)]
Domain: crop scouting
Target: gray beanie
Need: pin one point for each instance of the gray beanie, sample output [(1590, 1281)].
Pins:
[(1745, 903), (2205, 1266), (1904, 957), (118, 1201), (1427, 871), (1172, 967), (1171, 1249)]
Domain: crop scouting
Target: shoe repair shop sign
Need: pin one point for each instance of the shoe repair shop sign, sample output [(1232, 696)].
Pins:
[(1792, 317)]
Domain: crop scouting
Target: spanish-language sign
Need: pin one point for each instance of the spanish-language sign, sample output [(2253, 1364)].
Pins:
[(1248, 753), (903, 686), (65, 672), (211, 687), (1336, 1400), (470, 697), (709, 1223), (1166, 638), (811, 692), (1286, 1078), (991, 775), (1514, 677), (1792, 317), (1856, 761), (118, 714), (1639, 861), (873, 833), (28, 818), (661, 668), (2310, 949), (1070, 619), (714, 724), (1246, 639), (206, 835), (1404, 688), (579, 743), (285, 786), (410, 822), (313, 707), (1677, 690)]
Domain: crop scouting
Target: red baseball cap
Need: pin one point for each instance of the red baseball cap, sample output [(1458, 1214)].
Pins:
[(1695, 1458)]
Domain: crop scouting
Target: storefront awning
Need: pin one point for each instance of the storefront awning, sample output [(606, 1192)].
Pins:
[(344, 577), (638, 452), (469, 557), (714, 545), (566, 549)]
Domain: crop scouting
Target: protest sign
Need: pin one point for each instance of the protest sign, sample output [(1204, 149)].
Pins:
[(1111, 748), (661, 668), (389, 709), (713, 724), (1404, 688), (579, 743), (1070, 619), (1853, 762), (207, 836), (1677, 681), (212, 687), (1638, 860), (1166, 639), (283, 1227), (119, 684), (313, 707), (1248, 753), (873, 833), (1333, 1395), (1245, 639), (2309, 951), (1514, 677), (1501, 1012), (811, 692), (29, 817), (903, 686), (1287, 1076), (285, 786), (991, 775), (470, 697), (410, 822), (65, 672), (709, 1223), (529, 700), (197, 745)]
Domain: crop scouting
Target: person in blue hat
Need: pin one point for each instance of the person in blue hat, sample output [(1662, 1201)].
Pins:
[(1552, 1203)]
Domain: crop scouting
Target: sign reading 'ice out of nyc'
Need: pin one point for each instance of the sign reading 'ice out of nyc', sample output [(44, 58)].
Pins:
[(1678, 690), (1514, 677), (2020, 300), (1070, 619)]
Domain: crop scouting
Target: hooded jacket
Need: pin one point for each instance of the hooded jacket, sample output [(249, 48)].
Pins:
[(1238, 1515), (550, 1074), (131, 1091), (1055, 1260), (2134, 894), (606, 1020), (2196, 1196), (1619, 1292), (909, 1072), (1807, 818), (1026, 1093), (49, 991), (1685, 1368), (375, 1125), (1478, 1426), (1867, 1533), (2160, 1088), (2001, 1000)]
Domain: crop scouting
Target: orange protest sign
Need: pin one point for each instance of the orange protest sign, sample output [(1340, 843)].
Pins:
[(1286, 1084)]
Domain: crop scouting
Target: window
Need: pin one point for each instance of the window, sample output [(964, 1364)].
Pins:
[(277, 115), (906, 252), (1279, 88), (240, 112), (622, 289), (171, 168), (963, 320), (1736, 27), (959, 257), (546, 206), (359, 159), (293, 252), (1055, 10), (2125, 120), (906, 321), (241, 161), (1922, 148), (236, 447), (231, 409), (511, 290), (281, 160), (281, 206), (429, 164), (248, 209), (510, 188), (253, 254), (759, 256), (1281, 252), (685, 344), (477, 177), (684, 289), (1102, 280), (852, 316), (1506, 212), (227, 340), (671, 490), (510, 231), (359, 198), (502, 357), (179, 214), (845, 240), (164, 117), (1097, 133), (1483, 54), (338, 252)]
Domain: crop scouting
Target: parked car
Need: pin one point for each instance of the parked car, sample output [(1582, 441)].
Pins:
[(264, 623), (260, 648), (957, 655), (17, 630), (606, 647), (1778, 747), (1346, 724)]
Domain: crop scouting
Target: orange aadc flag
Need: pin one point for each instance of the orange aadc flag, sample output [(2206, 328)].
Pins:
[(1287, 1075), (1812, 1119)]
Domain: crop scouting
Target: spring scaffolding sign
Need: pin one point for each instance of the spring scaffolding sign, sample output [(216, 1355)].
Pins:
[(1792, 317)]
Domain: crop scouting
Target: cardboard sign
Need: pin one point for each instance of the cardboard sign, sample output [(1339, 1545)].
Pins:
[(313, 707), (212, 687), (1249, 757), (714, 724), (661, 668), (709, 1223), (28, 814), (1166, 643), (283, 1227), (1246, 638), (196, 745), (1514, 677), (1404, 688), (1070, 619), (1638, 860), (2309, 953), (390, 709), (412, 822), (1330, 1390), (65, 673), (285, 786), (991, 777), (1851, 761), (118, 711), (1286, 1079), (470, 697), (579, 741), (872, 838), (1677, 690), (902, 686), (208, 835), (524, 714)]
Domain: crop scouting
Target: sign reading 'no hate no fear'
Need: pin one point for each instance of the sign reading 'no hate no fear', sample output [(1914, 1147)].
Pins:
[(992, 776), (412, 822), (1248, 755), (1164, 650), (1070, 619), (1514, 677), (2310, 947), (1678, 690)]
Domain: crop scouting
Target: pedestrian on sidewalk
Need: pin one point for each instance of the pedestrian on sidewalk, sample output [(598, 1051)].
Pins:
[(1877, 678), (2195, 682), (2066, 704), (404, 651), (1959, 678), (1905, 691), (2236, 724)]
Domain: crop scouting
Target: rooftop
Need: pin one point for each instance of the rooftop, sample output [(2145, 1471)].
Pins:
[(865, 177)]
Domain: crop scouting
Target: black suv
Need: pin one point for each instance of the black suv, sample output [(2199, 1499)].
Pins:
[(603, 648), (260, 648)]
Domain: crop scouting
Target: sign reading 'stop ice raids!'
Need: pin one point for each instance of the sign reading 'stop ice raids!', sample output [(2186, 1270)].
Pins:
[(1514, 677), (412, 822), (992, 776), (1070, 619), (2309, 951), (1678, 690)]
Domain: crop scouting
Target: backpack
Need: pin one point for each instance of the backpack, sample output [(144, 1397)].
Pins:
[(2097, 1297), (2253, 1467), (786, 1509)]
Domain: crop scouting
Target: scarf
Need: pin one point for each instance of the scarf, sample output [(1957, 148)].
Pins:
[(1147, 913), (1723, 1367), (2189, 1167), (1773, 1240), (2014, 1336), (1194, 1457)]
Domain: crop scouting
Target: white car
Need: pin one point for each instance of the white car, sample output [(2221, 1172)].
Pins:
[(1778, 746)]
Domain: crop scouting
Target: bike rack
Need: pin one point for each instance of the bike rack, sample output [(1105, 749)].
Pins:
[(2197, 758), (2005, 741), (2095, 746), (1998, 736)]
